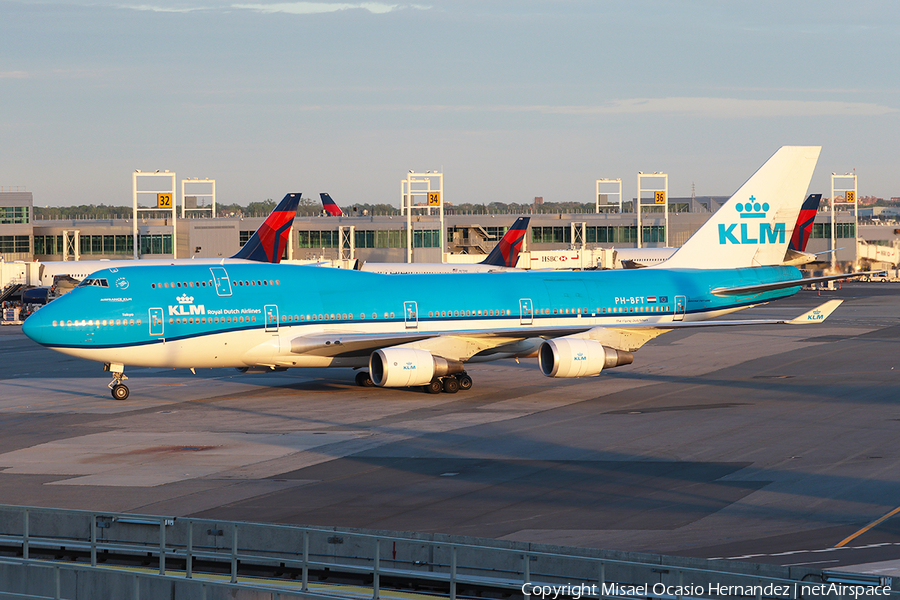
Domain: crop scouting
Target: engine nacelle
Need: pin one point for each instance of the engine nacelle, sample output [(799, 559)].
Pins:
[(577, 357), (404, 367)]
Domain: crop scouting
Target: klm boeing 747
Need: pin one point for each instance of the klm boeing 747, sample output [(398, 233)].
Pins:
[(422, 330)]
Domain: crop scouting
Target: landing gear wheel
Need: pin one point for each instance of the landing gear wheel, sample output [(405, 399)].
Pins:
[(451, 385), (435, 387), (363, 379), (119, 389), (465, 382)]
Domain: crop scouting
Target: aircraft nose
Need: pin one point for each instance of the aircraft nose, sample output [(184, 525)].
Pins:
[(35, 326)]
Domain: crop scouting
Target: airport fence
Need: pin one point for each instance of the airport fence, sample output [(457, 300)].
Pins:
[(56, 553)]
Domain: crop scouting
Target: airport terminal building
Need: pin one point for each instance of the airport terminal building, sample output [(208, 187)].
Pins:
[(381, 238)]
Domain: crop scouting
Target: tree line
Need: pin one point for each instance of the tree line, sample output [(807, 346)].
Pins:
[(310, 208)]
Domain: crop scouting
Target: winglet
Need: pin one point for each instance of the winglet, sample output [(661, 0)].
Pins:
[(270, 240), (818, 314), (506, 252), (330, 205)]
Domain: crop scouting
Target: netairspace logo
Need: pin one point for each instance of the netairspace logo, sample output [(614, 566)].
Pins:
[(771, 590), (765, 233)]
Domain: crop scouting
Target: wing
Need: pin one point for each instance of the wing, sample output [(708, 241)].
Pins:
[(520, 341)]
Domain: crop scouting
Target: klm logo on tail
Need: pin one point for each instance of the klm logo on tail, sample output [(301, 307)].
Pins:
[(747, 233)]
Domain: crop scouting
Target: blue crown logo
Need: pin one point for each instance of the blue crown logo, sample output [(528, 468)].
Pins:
[(752, 209)]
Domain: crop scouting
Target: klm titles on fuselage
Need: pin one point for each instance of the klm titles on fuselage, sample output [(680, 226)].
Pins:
[(187, 308), (766, 234)]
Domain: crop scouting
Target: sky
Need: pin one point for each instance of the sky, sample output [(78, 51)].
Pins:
[(510, 99)]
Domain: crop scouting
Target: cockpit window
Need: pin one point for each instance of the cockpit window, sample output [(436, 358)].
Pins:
[(94, 282)]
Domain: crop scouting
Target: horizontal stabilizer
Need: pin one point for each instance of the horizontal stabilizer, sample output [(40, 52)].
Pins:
[(780, 285)]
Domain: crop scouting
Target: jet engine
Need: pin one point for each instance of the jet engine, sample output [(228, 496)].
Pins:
[(404, 367), (577, 357)]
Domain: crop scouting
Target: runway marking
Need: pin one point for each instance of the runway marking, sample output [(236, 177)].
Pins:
[(874, 523), (831, 549)]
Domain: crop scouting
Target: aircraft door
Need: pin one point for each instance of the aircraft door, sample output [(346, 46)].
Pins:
[(156, 321), (271, 312), (221, 281), (680, 303), (526, 312), (411, 312)]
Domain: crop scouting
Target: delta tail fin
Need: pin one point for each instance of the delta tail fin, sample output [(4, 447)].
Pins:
[(270, 240), (803, 230), (330, 205), (506, 252), (754, 227)]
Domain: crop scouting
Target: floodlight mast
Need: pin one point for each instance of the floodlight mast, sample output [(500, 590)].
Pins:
[(660, 198), (607, 184), (431, 185), (200, 188), (165, 202), (846, 186)]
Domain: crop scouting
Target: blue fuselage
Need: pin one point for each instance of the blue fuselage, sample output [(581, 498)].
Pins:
[(155, 316)]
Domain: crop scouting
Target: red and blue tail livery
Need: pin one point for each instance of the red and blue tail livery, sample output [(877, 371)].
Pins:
[(330, 205), (272, 237), (803, 230), (506, 252)]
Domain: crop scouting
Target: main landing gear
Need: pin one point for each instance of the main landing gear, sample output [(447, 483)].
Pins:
[(449, 384), (363, 379), (119, 390)]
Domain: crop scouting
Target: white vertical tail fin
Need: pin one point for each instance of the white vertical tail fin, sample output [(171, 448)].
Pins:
[(754, 227)]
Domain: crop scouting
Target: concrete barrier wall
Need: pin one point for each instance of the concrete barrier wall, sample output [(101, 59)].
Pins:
[(351, 549)]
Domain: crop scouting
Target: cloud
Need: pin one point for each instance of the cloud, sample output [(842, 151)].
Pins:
[(706, 107), (293, 8), (13, 75), (311, 8), (730, 107), (161, 9)]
